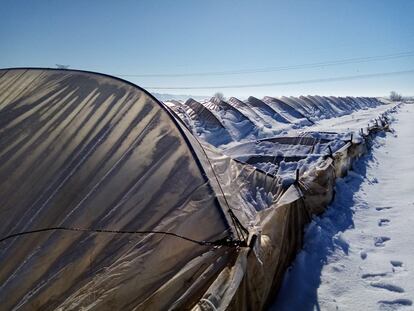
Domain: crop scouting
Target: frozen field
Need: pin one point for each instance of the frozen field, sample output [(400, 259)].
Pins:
[(358, 255)]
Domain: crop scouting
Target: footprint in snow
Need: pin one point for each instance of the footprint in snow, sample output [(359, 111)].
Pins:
[(363, 255), (396, 303), (373, 275), (383, 208), (383, 222), (396, 263), (397, 266), (389, 287), (379, 241)]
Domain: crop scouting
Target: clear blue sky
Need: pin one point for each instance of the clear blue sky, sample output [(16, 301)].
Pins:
[(141, 37)]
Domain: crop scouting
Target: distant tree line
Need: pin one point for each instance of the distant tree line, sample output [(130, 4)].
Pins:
[(395, 97), (219, 95)]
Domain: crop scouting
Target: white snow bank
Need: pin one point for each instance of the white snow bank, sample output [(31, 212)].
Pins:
[(358, 254)]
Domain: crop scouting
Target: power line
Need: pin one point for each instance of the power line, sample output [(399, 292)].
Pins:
[(331, 79), (355, 60)]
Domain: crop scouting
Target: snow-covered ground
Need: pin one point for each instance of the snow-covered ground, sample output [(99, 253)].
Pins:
[(287, 157), (359, 255), (348, 123)]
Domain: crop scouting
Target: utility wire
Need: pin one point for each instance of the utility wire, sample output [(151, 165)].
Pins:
[(331, 79), (356, 60)]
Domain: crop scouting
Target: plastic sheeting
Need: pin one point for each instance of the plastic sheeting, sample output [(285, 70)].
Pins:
[(223, 123), (82, 150), (257, 272), (128, 198)]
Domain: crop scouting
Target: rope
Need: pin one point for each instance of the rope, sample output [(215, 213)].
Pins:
[(220, 242)]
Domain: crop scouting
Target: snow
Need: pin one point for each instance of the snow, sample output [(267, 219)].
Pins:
[(225, 124), (352, 122), (358, 255), (279, 135), (355, 255)]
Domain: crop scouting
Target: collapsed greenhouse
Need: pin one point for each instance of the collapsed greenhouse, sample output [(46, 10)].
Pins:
[(111, 200)]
